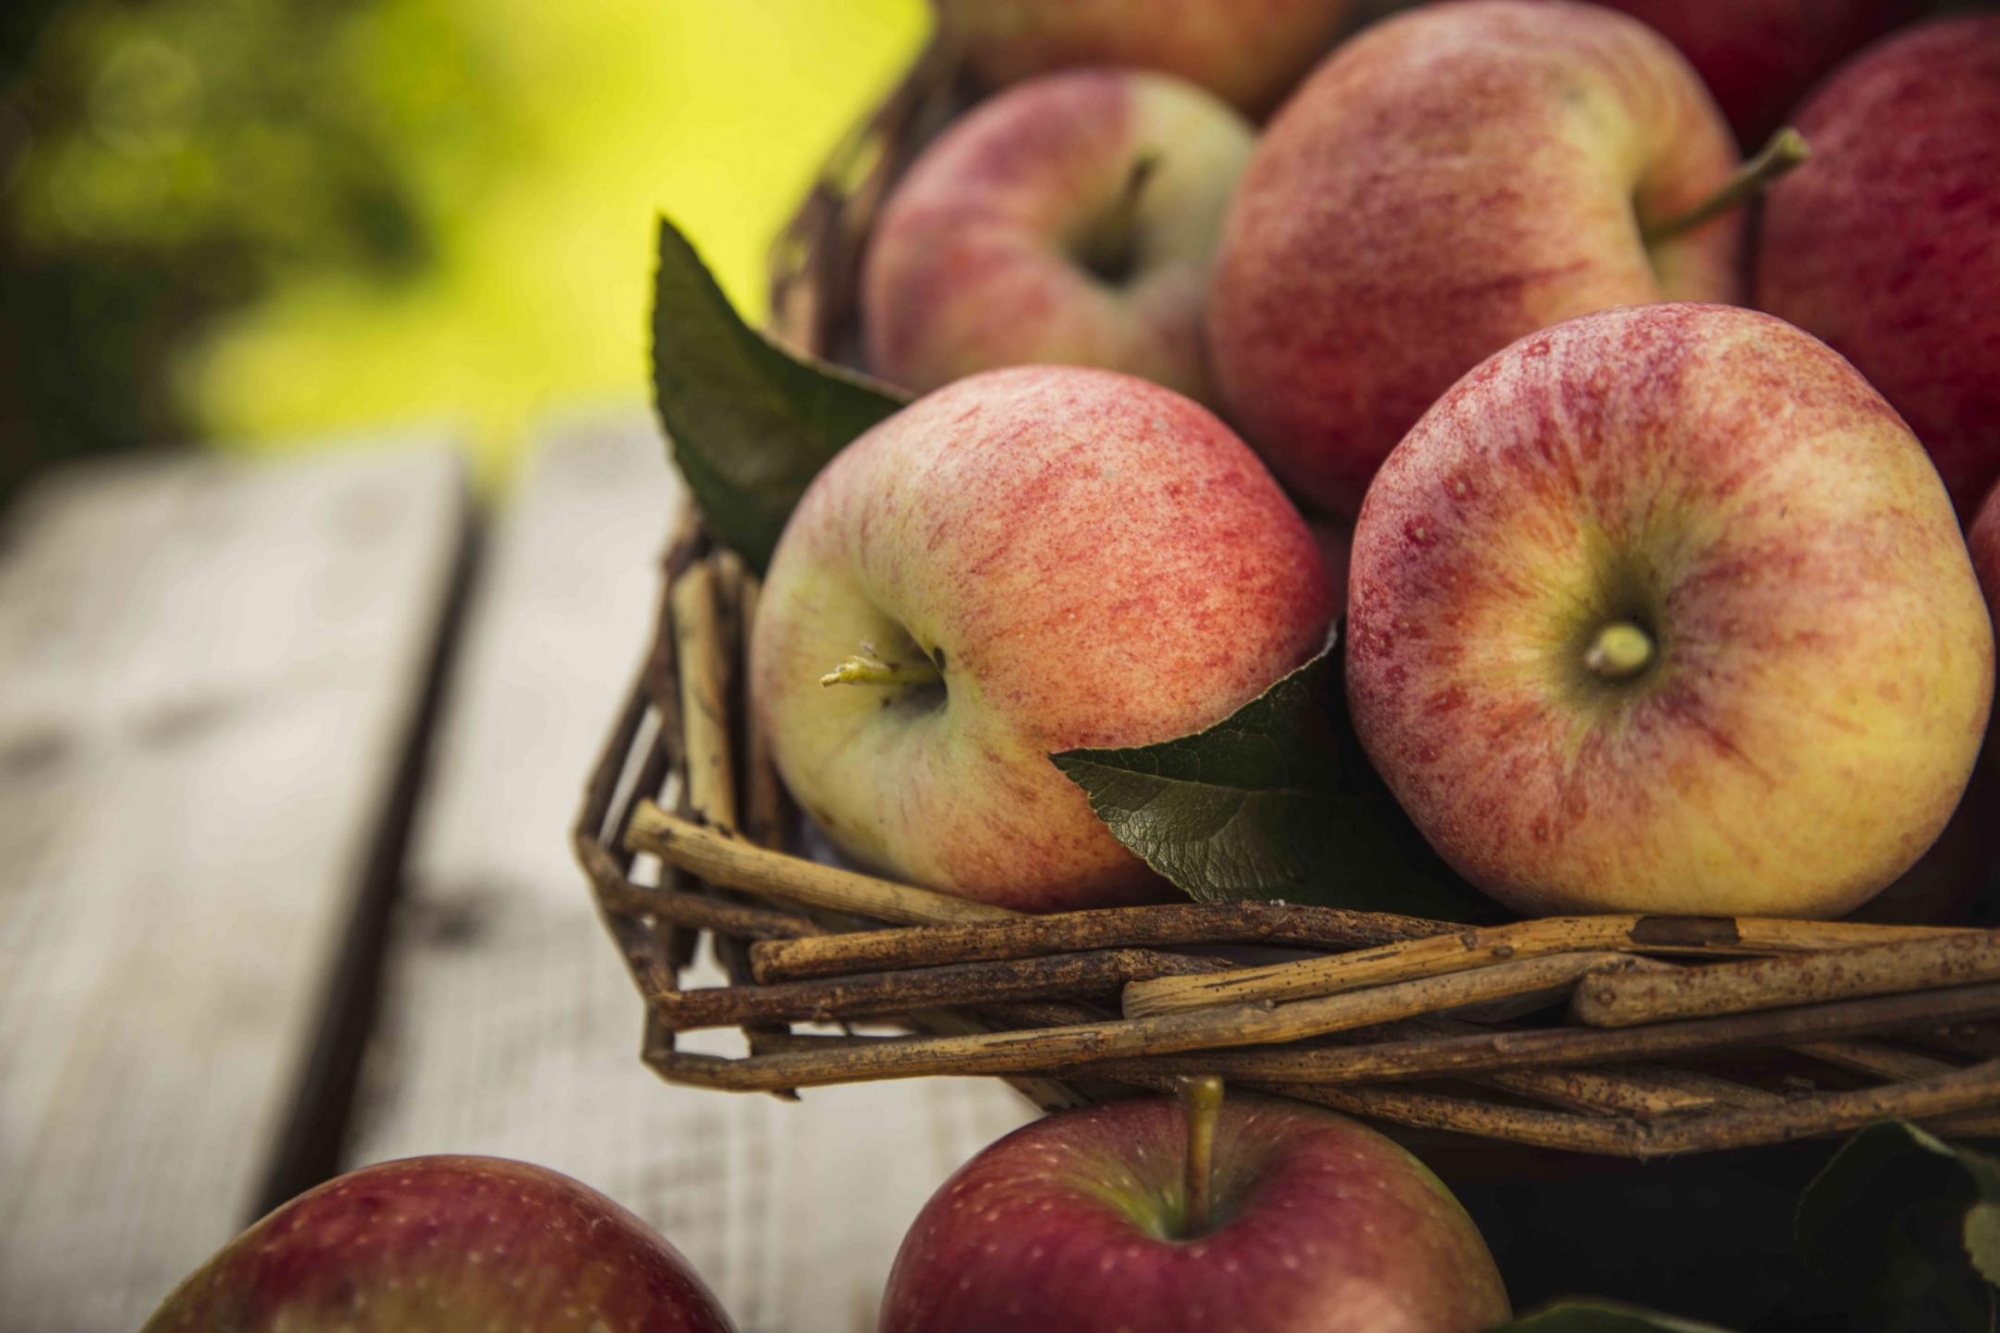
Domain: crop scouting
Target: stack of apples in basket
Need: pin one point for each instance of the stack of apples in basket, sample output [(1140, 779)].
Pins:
[(1638, 471)]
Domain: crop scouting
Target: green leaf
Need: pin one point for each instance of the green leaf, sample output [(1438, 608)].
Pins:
[(1596, 1317), (750, 424), (1909, 1226), (1273, 802)]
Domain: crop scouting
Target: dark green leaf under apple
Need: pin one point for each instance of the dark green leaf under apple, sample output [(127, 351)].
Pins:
[(1274, 802), (1909, 1226)]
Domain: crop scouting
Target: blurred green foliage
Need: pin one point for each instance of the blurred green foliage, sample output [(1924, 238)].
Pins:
[(265, 220), (164, 162)]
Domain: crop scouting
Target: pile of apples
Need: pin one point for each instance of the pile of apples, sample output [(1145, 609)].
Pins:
[(1646, 523), (1638, 470), (1258, 1216)]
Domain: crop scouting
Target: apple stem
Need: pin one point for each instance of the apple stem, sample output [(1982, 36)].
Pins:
[(1786, 150), (1108, 249), (1201, 1102), (865, 668), (1620, 651)]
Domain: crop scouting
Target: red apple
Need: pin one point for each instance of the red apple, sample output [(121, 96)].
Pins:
[(1335, 541), (1759, 57), (1448, 181), (1984, 539), (1885, 244), (1080, 1223), (1665, 610), (446, 1245), (1250, 52), (1027, 561), (1070, 221)]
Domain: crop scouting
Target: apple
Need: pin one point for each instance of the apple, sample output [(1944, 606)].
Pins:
[(1664, 609), (1946, 884), (446, 1245), (1250, 52), (1072, 220), (1335, 541), (1984, 539), (1091, 1222), (1885, 246), (1024, 562), (1759, 57), (1448, 181)]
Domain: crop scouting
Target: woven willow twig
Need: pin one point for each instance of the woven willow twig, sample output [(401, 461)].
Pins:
[(1104, 928), (1827, 1113), (1867, 1057), (721, 858), (1447, 1057), (816, 262), (1955, 959), (704, 661), (693, 910), (1466, 949), (875, 994), (1206, 1029)]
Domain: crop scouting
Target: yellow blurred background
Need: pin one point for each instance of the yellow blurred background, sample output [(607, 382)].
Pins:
[(426, 209)]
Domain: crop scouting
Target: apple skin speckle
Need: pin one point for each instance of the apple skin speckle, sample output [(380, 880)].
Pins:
[(1453, 178), (1731, 484), (1324, 1226), (1248, 51), (1883, 245), (1110, 566), (979, 259), (1760, 57), (401, 1247)]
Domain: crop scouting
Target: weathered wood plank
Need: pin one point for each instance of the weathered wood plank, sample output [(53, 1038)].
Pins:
[(207, 672), (510, 1025)]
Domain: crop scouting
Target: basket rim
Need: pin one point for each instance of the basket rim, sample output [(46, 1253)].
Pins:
[(1358, 1022)]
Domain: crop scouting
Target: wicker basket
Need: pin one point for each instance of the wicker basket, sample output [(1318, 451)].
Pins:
[(1682, 1034)]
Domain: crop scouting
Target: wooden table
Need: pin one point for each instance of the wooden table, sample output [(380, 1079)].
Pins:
[(287, 755)]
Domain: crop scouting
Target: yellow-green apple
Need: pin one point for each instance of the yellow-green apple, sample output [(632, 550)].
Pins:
[(1070, 221), (1885, 246), (1250, 52), (1024, 562), (1665, 609), (445, 1245), (1449, 180), (1082, 1222), (1947, 882), (1759, 57)]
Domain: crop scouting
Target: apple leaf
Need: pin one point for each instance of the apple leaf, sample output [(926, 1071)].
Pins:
[(1274, 802), (750, 423), (1595, 1317), (1909, 1226)]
